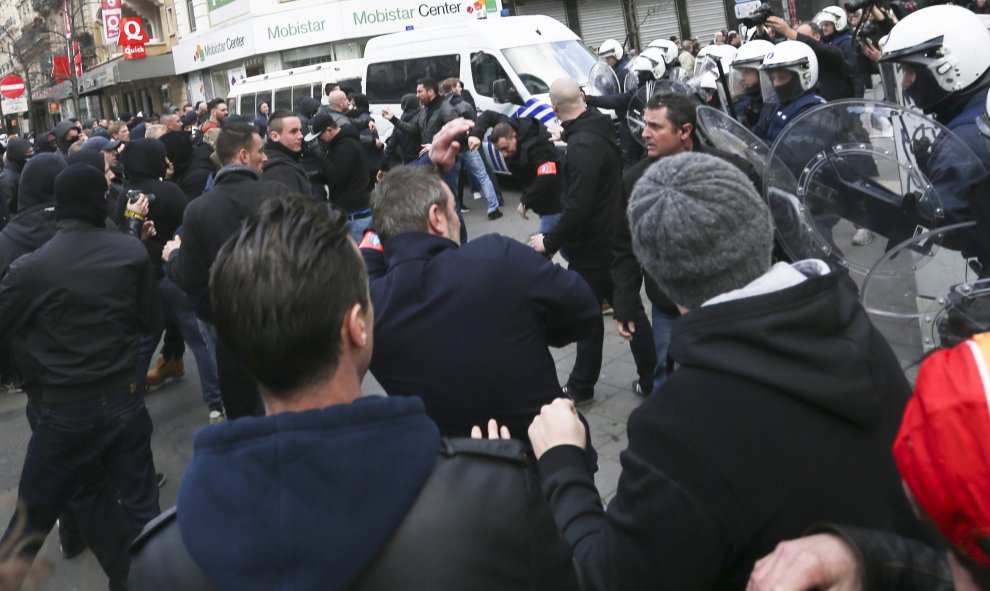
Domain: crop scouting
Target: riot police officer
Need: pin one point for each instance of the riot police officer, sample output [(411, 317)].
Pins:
[(791, 71), (744, 81)]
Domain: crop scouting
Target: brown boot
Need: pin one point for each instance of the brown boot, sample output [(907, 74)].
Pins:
[(166, 368)]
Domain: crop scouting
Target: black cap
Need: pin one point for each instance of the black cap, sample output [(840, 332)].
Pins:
[(323, 121)]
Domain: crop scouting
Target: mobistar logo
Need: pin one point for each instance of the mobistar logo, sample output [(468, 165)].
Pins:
[(482, 5), (198, 53)]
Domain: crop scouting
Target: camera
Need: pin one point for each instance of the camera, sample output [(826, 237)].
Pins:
[(133, 195), (899, 8), (758, 16)]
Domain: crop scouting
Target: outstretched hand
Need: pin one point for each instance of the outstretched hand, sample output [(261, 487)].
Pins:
[(821, 561), (443, 151)]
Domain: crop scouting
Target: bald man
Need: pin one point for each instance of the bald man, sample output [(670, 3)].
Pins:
[(591, 185)]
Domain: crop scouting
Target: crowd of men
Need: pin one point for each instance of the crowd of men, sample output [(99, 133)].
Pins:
[(778, 444)]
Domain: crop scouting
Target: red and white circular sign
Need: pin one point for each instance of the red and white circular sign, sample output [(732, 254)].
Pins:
[(12, 86)]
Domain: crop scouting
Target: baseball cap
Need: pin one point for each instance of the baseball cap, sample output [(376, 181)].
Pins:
[(189, 118), (943, 447), (322, 121), (101, 143)]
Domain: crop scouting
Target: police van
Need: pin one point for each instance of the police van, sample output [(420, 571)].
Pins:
[(285, 88), (506, 63)]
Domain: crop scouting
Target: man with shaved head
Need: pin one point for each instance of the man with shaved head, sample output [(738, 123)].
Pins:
[(590, 186)]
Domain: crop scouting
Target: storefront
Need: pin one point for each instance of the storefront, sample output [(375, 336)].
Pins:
[(293, 38), (147, 85)]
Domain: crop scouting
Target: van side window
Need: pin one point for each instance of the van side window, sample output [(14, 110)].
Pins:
[(485, 70), (298, 92), (388, 81), (247, 103), (283, 99)]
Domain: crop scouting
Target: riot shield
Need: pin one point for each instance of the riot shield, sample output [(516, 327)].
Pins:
[(927, 291), (726, 134), (602, 80), (637, 104), (631, 82), (857, 164)]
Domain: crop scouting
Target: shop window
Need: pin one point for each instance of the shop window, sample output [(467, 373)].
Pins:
[(388, 81), (485, 70), (146, 107)]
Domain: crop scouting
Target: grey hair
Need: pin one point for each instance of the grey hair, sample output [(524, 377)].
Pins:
[(402, 201)]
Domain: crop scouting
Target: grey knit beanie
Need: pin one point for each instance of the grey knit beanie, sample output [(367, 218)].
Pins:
[(699, 228)]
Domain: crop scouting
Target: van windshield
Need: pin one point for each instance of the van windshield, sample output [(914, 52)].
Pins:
[(539, 65)]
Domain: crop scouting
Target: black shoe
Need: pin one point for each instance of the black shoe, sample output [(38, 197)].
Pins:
[(160, 478), (638, 390), (580, 400), (494, 215)]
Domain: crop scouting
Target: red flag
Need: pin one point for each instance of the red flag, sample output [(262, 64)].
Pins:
[(60, 68)]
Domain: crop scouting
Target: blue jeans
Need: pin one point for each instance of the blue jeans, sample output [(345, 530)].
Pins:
[(662, 323), (73, 446), (178, 310), (475, 166), (547, 222)]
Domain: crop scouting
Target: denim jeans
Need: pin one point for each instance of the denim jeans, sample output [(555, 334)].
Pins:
[(662, 323), (358, 227), (547, 222), (178, 310), (475, 167), (73, 446)]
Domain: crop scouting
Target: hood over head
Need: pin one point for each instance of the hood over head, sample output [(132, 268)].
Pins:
[(17, 150), (37, 184), (308, 106), (178, 148), (144, 158), (321, 492)]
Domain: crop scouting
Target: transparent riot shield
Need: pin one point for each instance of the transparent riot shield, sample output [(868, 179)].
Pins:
[(637, 104), (631, 82), (726, 134), (602, 80), (856, 164), (930, 291)]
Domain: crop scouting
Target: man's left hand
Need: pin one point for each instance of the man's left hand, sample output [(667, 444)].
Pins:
[(170, 247), (536, 242)]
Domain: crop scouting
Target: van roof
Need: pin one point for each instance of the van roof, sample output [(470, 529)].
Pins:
[(304, 75), (509, 31)]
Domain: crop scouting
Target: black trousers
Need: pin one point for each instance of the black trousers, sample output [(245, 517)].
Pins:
[(588, 364)]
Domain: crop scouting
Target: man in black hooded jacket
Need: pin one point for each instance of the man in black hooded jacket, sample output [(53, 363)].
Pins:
[(284, 148), (343, 169), (190, 161), (17, 154), (590, 188)]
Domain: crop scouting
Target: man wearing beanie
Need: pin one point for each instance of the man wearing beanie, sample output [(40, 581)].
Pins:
[(82, 300), (780, 416), (590, 186)]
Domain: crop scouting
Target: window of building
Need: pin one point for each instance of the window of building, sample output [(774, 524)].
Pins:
[(388, 81), (485, 70), (191, 13)]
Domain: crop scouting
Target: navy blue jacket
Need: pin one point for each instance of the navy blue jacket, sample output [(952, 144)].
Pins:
[(468, 328)]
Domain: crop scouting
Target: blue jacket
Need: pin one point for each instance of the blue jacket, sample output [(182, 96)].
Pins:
[(951, 173), (786, 113), (467, 328)]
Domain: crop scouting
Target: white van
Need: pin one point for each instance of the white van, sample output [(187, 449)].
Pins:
[(284, 89), (526, 52)]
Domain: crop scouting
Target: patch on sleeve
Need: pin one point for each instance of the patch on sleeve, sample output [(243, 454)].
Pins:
[(371, 240), (546, 168)]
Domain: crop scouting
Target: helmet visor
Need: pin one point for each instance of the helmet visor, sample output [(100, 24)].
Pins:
[(744, 81)]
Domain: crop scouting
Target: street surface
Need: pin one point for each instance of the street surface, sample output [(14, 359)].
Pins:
[(178, 412)]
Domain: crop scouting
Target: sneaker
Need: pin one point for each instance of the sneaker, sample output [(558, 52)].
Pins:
[(579, 400), (607, 309), (494, 215), (165, 369), (477, 195), (216, 417), (161, 478), (465, 209), (862, 237), (638, 390)]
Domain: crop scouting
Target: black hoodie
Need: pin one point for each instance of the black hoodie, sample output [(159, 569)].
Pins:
[(283, 166), (344, 170), (34, 224), (591, 185), (191, 162), (144, 167), (781, 416)]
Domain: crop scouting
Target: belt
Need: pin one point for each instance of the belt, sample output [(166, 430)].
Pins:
[(359, 215)]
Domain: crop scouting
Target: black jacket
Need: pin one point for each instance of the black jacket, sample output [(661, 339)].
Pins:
[(344, 171), (283, 166), (627, 274), (360, 496), (591, 187), (406, 145), (83, 300), (9, 179), (208, 223), (497, 359), (145, 166), (34, 224), (369, 139), (537, 163), (834, 74), (781, 415), (430, 120)]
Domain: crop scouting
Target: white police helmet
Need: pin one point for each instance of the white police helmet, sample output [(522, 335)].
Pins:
[(610, 48), (795, 57), (749, 57), (834, 15), (946, 48), (651, 61), (668, 47), (709, 54)]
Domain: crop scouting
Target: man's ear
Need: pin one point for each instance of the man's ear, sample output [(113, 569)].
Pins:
[(686, 131), (356, 329), (242, 156), (436, 220)]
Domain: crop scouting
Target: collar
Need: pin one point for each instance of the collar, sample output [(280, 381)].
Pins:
[(410, 246), (233, 170), (277, 147)]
